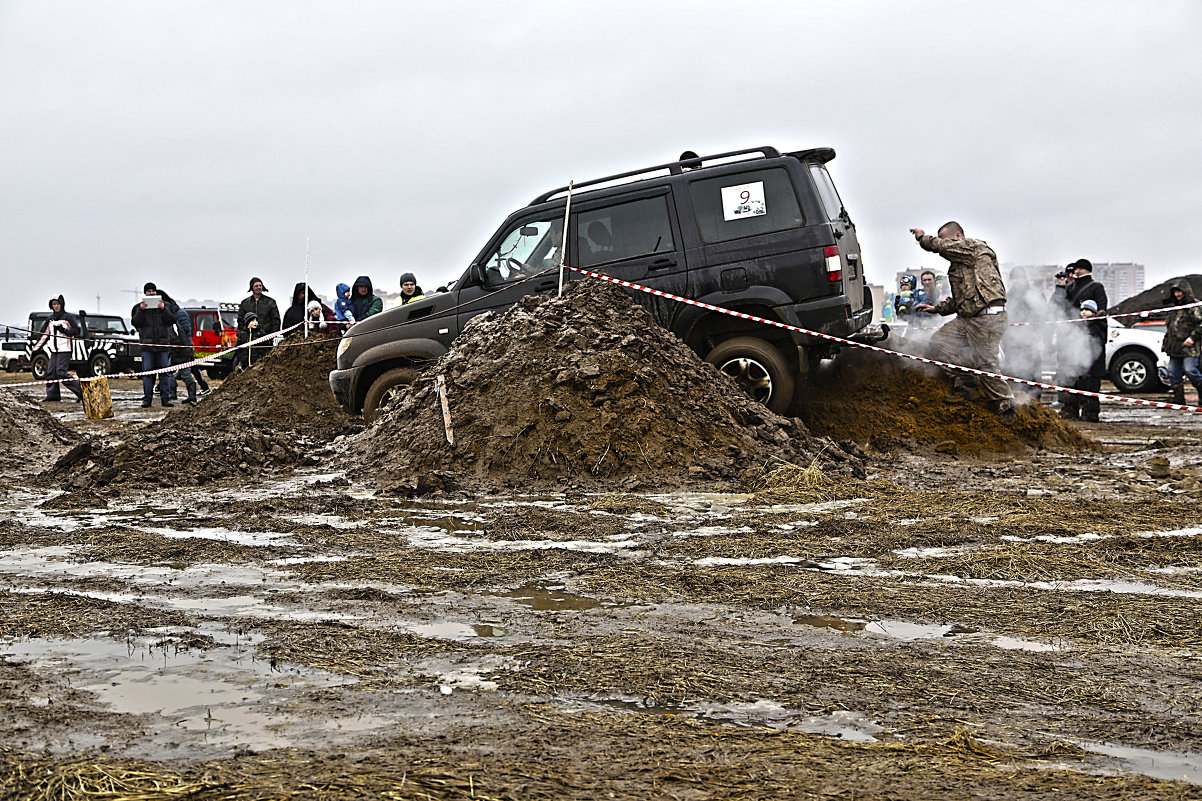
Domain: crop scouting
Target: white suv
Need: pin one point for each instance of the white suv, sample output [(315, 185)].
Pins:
[(1134, 358)]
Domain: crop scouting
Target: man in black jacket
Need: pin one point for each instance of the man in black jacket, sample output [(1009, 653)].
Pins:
[(1081, 346), (154, 323), (261, 308)]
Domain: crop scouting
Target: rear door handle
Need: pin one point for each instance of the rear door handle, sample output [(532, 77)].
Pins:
[(662, 264)]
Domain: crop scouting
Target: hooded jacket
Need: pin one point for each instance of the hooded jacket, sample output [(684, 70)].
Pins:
[(1182, 324), (181, 338), (61, 330), (365, 305), (343, 311), (155, 325), (296, 312)]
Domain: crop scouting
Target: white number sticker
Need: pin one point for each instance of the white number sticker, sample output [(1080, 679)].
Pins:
[(742, 201)]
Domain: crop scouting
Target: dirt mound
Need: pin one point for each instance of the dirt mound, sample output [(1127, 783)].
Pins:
[(31, 439), (583, 388), (888, 403), (265, 420)]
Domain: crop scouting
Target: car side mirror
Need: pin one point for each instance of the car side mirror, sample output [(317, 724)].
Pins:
[(476, 274)]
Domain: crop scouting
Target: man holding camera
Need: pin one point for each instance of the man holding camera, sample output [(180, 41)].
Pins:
[(978, 300), (1081, 347)]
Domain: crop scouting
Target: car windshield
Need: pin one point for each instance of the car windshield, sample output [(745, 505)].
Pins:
[(106, 324), (205, 321), (526, 249)]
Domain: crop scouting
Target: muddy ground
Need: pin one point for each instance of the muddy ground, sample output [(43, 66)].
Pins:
[(1011, 621)]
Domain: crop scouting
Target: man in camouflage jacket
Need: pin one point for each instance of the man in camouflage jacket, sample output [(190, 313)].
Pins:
[(978, 299), (1183, 340)]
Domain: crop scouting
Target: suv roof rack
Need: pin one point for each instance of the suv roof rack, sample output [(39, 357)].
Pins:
[(673, 168)]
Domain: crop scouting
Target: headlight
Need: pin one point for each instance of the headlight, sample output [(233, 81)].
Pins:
[(342, 346)]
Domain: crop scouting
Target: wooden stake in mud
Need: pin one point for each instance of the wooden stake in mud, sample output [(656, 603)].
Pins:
[(563, 235), (441, 388), (97, 402)]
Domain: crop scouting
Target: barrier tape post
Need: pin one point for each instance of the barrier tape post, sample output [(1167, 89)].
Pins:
[(563, 236)]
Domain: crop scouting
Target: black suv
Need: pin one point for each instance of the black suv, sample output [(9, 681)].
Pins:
[(107, 345), (757, 231)]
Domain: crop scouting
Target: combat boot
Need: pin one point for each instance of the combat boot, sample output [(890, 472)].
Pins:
[(1198, 389), (1177, 393)]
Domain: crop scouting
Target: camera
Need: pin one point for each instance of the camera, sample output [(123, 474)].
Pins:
[(1065, 273)]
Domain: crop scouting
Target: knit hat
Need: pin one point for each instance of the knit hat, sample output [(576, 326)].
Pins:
[(1089, 305), (1083, 264), (149, 287), (408, 277)]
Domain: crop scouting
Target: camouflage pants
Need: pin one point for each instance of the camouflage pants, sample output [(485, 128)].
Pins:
[(973, 342)]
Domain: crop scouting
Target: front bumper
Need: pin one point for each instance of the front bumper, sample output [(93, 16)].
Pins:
[(342, 383)]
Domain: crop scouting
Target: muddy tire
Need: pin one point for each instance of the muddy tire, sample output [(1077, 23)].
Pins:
[(41, 366), (759, 368), (383, 389)]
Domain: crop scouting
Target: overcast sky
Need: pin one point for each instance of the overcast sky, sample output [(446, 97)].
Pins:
[(196, 144)]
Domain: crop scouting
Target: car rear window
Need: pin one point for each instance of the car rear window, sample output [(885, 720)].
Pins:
[(745, 204), (826, 191)]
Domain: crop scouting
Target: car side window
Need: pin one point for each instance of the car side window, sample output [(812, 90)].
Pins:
[(624, 231), (745, 204), (527, 249), (206, 322)]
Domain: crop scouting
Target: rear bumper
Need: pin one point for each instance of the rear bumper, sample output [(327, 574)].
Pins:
[(831, 316)]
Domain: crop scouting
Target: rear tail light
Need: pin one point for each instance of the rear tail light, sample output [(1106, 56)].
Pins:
[(834, 267)]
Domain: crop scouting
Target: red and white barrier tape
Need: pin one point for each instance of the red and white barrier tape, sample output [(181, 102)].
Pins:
[(923, 359)]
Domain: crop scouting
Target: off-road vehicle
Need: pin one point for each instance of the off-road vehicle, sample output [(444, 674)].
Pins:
[(757, 231), (107, 345)]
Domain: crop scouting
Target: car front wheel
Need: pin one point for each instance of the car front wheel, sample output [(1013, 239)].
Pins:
[(100, 364), (1134, 371), (384, 389), (759, 368)]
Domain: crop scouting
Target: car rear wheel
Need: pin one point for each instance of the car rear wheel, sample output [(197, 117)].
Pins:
[(384, 389), (1134, 371), (41, 367), (759, 368)]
